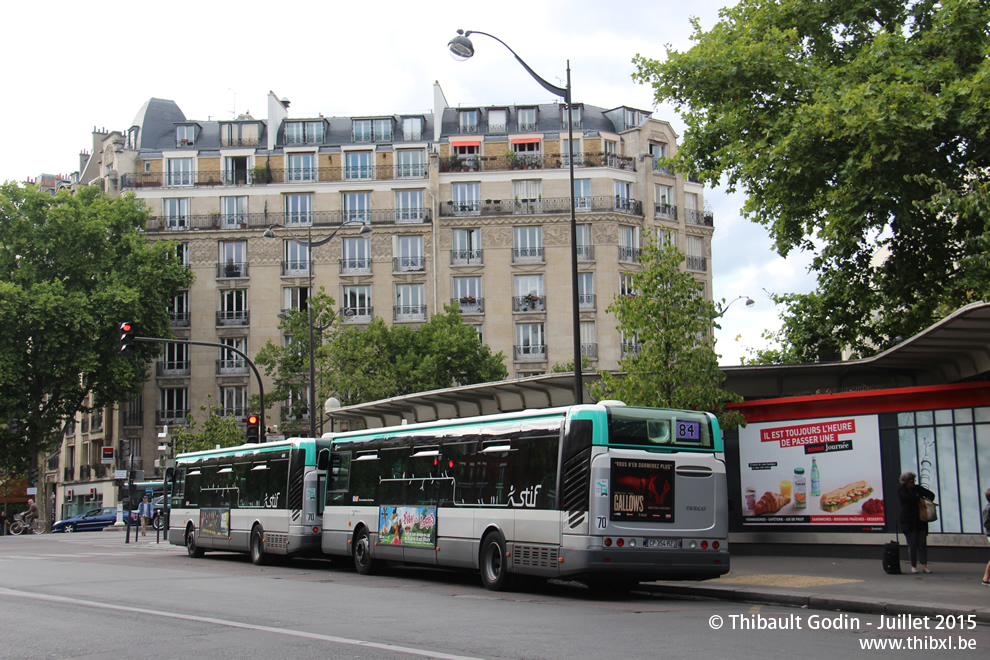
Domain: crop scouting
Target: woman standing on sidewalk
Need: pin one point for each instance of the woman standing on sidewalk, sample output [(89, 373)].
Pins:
[(915, 530), (986, 528)]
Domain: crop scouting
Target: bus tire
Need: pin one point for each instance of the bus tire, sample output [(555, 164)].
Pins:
[(258, 556), (494, 566), (364, 563), (192, 548)]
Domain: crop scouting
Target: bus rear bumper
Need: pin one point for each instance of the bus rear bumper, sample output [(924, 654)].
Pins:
[(644, 564)]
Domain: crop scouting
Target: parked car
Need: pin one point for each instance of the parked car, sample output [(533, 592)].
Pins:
[(94, 519)]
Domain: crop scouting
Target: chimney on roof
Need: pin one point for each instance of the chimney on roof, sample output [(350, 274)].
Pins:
[(284, 101)]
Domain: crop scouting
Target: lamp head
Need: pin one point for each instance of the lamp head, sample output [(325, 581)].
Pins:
[(750, 302), (269, 234), (460, 46), (366, 230)]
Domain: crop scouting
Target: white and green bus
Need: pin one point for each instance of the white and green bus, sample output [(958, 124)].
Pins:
[(263, 499), (604, 493)]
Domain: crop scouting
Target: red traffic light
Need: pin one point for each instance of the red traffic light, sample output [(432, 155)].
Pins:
[(126, 327), (252, 419)]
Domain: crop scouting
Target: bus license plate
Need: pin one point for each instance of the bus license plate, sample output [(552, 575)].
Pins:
[(663, 543)]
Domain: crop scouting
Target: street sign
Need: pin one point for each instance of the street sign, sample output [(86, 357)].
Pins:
[(120, 474), (272, 437), (32, 490), (107, 456)]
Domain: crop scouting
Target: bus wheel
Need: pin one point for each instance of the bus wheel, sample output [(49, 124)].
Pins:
[(258, 556), (494, 569), (192, 549), (363, 561)]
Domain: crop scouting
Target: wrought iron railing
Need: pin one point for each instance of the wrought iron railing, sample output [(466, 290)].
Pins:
[(665, 211), (533, 353), (475, 163), (355, 266), (533, 255), (529, 303), (586, 301), (699, 264), (133, 418), (227, 318), (541, 206), (171, 368), (629, 254), (261, 175), (179, 319), (408, 264), (409, 312), (232, 367), (295, 268), (466, 258), (171, 417), (591, 350), (470, 304), (586, 252), (232, 270), (316, 219)]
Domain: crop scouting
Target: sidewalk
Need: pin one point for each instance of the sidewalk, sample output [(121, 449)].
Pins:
[(848, 585)]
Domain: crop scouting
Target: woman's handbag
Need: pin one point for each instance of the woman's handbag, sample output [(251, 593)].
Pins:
[(926, 510)]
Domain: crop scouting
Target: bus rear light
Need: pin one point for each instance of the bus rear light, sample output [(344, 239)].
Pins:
[(316, 530), (715, 545), (608, 542), (704, 545), (620, 542)]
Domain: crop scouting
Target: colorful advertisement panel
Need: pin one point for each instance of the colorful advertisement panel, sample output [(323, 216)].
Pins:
[(414, 526), (214, 522), (823, 471), (642, 490)]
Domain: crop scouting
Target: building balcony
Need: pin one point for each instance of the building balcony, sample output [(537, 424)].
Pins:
[(296, 268), (171, 417), (171, 368), (665, 211), (700, 218), (590, 350), (261, 175), (233, 367), (178, 319), (85, 473), (586, 301), (470, 305), (529, 303), (409, 313), (408, 264), (531, 353), (232, 270), (69, 473), (233, 318), (359, 314), (586, 252), (261, 221), (237, 413), (698, 264), (630, 348), (629, 254), (355, 266), (466, 258), (527, 255), (534, 162), (546, 205)]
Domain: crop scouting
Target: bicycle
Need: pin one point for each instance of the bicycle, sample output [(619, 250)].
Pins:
[(18, 526)]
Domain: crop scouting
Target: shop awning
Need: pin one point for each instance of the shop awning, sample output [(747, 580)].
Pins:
[(524, 140), (465, 143)]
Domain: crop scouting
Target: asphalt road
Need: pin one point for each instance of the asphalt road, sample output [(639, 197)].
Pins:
[(92, 596)]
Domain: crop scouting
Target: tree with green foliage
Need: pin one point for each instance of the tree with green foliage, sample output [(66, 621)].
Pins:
[(218, 431), (859, 131), (668, 322), (357, 364), (72, 267)]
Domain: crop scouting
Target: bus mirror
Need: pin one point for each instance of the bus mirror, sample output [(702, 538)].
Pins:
[(323, 460)]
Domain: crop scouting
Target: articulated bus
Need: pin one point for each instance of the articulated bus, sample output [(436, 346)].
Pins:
[(256, 498), (604, 493)]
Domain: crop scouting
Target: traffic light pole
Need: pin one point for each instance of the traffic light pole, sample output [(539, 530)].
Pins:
[(261, 387)]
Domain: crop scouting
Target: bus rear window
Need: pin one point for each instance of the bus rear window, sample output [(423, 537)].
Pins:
[(665, 429)]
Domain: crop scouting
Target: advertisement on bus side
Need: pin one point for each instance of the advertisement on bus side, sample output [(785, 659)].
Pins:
[(817, 471), (214, 522), (642, 490), (415, 526)]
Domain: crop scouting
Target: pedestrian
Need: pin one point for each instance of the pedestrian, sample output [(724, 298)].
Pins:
[(3, 522), (986, 529), (914, 528), (145, 512)]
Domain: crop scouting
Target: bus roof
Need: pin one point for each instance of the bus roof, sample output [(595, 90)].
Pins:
[(309, 444)]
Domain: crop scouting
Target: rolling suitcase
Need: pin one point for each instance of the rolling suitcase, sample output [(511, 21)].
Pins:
[(892, 556)]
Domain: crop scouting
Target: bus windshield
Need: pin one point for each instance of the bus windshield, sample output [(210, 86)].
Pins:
[(664, 429)]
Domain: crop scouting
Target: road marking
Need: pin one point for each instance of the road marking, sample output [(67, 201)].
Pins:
[(237, 624)]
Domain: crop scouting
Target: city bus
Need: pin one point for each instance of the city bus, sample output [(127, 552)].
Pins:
[(607, 494), (255, 498)]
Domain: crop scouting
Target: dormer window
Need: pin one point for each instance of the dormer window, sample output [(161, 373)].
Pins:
[(632, 118), (362, 130), (304, 132), (382, 130), (526, 120), (468, 122), (132, 137), (575, 115), (412, 129), (497, 121), (185, 136)]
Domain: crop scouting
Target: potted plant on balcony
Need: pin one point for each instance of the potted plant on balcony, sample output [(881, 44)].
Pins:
[(468, 300), (453, 163), (512, 158), (530, 300), (232, 269)]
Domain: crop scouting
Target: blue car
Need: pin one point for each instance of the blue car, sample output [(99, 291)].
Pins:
[(94, 519)]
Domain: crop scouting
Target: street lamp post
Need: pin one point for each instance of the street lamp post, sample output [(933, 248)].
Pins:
[(461, 49), (269, 236), (749, 303)]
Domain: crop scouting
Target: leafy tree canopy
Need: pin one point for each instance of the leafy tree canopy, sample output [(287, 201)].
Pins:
[(358, 364), (217, 431), (859, 130), (668, 322), (71, 268)]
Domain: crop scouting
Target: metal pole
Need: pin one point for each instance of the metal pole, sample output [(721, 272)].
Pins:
[(578, 384), (312, 349)]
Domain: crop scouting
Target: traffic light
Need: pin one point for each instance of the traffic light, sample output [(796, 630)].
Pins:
[(253, 428), (126, 338), (32, 475)]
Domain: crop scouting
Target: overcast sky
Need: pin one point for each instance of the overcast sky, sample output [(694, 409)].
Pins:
[(74, 66)]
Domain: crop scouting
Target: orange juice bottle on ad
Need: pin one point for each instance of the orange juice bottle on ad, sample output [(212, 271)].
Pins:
[(800, 489)]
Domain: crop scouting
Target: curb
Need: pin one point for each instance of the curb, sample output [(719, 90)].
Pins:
[(819, 601)]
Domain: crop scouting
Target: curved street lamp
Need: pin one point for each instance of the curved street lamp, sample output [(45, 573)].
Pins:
[(461, 48), (269, 237)]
